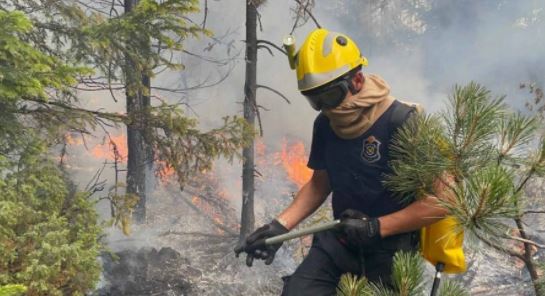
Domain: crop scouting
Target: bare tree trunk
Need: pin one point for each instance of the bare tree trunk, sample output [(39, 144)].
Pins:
[(139, 159), (247, 220), (528, 260)]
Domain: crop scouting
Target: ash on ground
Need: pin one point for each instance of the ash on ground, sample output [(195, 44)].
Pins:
[(179, 251), (146, 272)]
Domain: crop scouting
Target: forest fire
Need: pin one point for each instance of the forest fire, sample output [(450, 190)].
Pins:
[(114, 149), (210, 210), (294, 161), (292, 158)]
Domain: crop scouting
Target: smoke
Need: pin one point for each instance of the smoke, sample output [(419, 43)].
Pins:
[(420, 47)]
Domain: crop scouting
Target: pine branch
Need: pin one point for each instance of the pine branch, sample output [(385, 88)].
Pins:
[(407, 279), (106, 115)]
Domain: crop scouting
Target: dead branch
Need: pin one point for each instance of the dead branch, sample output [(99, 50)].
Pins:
[(526, 241), (200, 212), (274, 91), (95, 184), (106, 115), (309, 13), (500, 248), (263, 108), (258, 115), (265, 47), (271, 44), (299, 14), (195, 233), (205, 14), (194, 87), (534, 212)]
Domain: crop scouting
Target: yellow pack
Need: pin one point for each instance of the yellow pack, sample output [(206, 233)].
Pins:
[(443, 242)]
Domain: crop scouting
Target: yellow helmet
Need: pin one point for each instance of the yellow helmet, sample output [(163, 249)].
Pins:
[(324, 57)]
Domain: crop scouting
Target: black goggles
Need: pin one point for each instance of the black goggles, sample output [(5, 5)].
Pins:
[(330, 95)]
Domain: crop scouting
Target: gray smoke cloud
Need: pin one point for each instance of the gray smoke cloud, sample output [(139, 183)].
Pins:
[(420, 47)]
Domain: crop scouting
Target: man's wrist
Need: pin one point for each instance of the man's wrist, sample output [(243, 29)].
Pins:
[(384, 231), (283, 222)]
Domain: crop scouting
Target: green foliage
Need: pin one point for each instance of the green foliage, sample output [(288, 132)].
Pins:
[(181, 146), (25, 71), (110, 41), (451, 288), (407, 280), (408, 274), (141, 40), (515, 132), (12, 290), (48, 233), (422, 135), (540, 283), (479, 142), (471, 123), (484, 196), (351, 285), (28, 75), (538, 160)]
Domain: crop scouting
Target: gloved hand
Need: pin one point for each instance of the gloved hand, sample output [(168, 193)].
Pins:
[(359, 229), (254, 244)]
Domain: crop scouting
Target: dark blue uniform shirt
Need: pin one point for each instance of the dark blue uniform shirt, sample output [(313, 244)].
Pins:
[(356, 167)]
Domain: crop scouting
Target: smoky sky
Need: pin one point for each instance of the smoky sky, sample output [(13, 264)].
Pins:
[(422, 48), (496, 43)]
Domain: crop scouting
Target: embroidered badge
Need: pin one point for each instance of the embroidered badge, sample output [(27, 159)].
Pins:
[(371, 152)]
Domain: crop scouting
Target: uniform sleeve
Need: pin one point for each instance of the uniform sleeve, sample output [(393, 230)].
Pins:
[(317, 149)]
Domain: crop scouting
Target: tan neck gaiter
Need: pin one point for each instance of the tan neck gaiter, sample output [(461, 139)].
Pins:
[(356, 114)]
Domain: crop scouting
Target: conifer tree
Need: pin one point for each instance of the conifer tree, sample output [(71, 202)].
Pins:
[(49, 232), (50, 51), (407, 280), (491, 151), (151, 35)]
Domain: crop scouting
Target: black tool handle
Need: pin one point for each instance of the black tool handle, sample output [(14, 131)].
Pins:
[(439, 267)]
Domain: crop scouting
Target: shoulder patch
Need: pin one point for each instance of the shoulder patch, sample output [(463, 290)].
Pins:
[(371, 149)]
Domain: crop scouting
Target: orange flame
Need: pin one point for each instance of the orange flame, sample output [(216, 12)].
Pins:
[(165, 171), (118, 145), (106, 150), (207, 208), (294, 159)]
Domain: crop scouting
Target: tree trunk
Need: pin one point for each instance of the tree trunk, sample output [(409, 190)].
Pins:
[(139, 158), (528, 260), (247, 220)]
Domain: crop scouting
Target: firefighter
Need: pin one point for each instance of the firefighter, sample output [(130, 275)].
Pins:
[(349, 156)]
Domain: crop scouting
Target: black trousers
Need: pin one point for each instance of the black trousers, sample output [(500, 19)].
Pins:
[(328, 259)]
